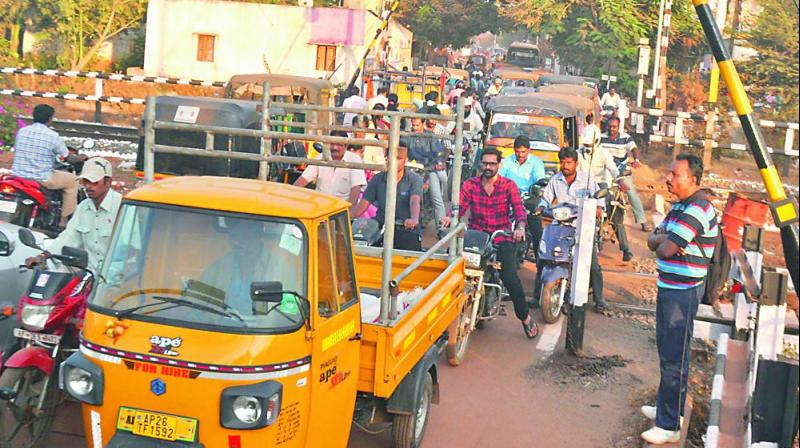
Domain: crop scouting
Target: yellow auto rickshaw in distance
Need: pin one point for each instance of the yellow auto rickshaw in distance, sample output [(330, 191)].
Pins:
[(549, 123)]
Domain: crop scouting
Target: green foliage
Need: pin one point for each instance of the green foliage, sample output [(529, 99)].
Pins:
[(591, 34), (9, 124), (775, 69), (436, 23), (86, 24), (135, 58)]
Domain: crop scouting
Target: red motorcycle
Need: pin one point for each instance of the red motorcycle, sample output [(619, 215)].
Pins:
[(24, 202), (50, 315)]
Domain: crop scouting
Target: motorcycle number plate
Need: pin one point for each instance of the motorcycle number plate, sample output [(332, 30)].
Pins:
[(8, 206), (37, 337)]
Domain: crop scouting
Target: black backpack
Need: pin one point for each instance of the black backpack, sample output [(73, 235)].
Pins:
[(719, 266)]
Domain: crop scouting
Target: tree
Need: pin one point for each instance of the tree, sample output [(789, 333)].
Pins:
[(437, 23), (591, 34), (85, 25), (775, 69)]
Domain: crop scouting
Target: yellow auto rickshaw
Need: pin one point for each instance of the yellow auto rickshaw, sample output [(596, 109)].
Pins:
[(549, 123)]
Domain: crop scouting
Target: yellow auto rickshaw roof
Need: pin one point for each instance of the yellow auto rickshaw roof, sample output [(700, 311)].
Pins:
[(569, 89), (240, 196), (579, 102), (283, 81)]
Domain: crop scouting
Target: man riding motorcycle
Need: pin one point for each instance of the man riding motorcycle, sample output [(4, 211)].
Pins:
[(621, 146), (525, 170), (91, 225), (37, 148), (567, 187), (489, 198), (595, 159)]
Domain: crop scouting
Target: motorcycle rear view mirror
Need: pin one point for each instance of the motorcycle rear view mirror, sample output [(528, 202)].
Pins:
[(26, 237), (88, 144), (601, 193), (74, 257), (541, 182)]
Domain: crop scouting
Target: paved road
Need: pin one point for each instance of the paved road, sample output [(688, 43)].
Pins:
[(502, 395)]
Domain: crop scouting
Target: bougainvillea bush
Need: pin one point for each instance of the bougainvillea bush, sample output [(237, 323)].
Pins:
[(9, 123)]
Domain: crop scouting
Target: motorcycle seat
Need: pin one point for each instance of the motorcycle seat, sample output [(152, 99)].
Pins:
[(22, 181)]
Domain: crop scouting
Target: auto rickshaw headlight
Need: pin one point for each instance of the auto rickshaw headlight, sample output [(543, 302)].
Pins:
[(252, 406), (82, 379), (247, 409), (79, 382)]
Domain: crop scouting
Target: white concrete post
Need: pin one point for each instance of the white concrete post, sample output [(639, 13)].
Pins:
[(582, 258)]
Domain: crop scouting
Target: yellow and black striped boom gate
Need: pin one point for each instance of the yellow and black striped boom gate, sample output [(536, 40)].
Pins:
[(784, 209)]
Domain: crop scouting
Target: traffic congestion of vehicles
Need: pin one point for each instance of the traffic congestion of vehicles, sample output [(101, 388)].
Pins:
[(255, 312)]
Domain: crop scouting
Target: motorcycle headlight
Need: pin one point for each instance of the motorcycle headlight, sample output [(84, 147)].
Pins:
[(34, 317), (561, 213), (247, 409), (473, 260), (542, 247)]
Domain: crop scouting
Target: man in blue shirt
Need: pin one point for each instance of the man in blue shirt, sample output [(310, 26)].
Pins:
[(525, 170), (37, 149)]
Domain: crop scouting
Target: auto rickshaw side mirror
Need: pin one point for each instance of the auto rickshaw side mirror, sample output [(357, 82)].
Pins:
[(270, 292)]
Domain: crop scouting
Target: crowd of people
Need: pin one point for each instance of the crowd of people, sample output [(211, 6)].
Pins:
[(489, 201)]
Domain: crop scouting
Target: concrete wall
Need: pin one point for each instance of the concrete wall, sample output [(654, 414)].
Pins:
[(251, 38)]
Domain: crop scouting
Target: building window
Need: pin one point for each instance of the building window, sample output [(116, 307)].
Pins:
[(205, 47), (326, 58)]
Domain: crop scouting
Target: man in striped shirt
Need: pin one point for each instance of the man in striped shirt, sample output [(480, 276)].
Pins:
[(621, 146), (683, 243)]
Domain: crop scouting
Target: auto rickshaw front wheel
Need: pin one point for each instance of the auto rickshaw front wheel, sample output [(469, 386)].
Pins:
[(408, 430), (22, 424)]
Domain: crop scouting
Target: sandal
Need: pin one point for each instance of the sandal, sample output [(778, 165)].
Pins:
[(529, 328)]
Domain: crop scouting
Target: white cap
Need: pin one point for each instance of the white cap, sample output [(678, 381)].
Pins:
[(95, 169)]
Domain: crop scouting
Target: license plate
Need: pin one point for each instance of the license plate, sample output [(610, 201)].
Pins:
[(8, 206), (156, 425), (37, 337)]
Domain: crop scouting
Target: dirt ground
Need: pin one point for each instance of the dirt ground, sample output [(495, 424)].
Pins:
[(554, 397)]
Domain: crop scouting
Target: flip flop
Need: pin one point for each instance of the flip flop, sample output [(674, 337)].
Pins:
[(530, 327)]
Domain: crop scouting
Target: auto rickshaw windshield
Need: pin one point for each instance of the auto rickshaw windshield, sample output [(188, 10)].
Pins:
[(503, 128), (162, 258)]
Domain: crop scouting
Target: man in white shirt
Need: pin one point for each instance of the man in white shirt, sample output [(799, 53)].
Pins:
[(380, 98), (344, 183), (91, 225), (610, 98), (354, 101)]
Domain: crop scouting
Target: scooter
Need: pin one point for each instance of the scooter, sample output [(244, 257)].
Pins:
[(555, 259), (556, 250), (50, 315), (26, 203), (617, 203)]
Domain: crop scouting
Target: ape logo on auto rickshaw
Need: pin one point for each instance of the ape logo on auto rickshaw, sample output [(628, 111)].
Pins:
[(163, 346)]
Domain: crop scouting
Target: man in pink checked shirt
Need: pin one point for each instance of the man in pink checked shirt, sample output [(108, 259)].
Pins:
[(489, 198)]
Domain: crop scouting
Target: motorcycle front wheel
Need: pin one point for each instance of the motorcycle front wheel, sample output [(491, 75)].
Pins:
[(551, 303), (21, 425)]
